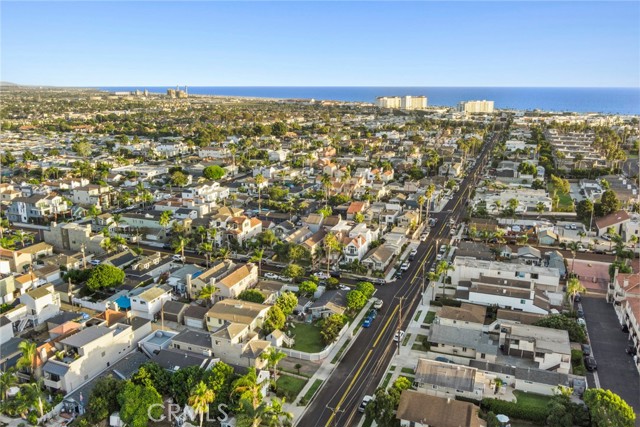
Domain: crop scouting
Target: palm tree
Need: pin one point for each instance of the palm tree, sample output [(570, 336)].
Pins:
[(250, 391), (573, 247), (28, 358), (574, 287), (7, 380), (200, 399), (275, 414), (202, 232), (443, 268), (165, 218), (4, 224), (207, 293), (421, 200), (7, 243), (258, 254), (108, 244), (207, 248), (326, 183), (179, 244), (273, 356), (34, 394), (540, 207), (224, 253), (330, 243), (259, 179)]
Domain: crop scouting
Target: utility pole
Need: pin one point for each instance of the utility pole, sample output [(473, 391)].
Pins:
[(424, 279), (334, 411), (399, 323), (84, 258)]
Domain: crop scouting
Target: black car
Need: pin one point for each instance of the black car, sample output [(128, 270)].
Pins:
[(580, 313), (586, 349), (590, 363)]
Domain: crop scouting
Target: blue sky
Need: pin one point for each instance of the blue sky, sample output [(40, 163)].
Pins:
[(321, 44)]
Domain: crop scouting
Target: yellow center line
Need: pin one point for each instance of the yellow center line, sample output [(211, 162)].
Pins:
[(344, 396), (386, 325), (421, 264)]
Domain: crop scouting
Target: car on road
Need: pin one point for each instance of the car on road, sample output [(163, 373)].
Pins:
[(398, 336), (367, 322), (580, 313), (178, 257), (590, 363), (413, 254), (95, 262), (404, 266), (378, 304), (285, 279), (364, 403), (322, 275), (270, 275), (372, 314), (439, 257), (423, 238), (443, 360), (586, 349), (344, 288)]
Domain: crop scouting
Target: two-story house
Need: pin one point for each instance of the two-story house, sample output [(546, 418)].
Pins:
[(148, 303), (92, 195), (37, 208), (240, 229), (238, 280), (42, 303), (549, 348), (90, 351), (236, 311)]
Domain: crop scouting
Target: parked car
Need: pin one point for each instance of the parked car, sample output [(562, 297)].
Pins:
[(439, 257), (590, 363), (285, 279), (367, 322), (580, 313), (335, 274), (372, 313), (443, 360), (344, 288), (413, 254), (364, 403), (378, 304), (95, 262), (178, 257), (270, 275), (423, 237), (586, 349), (404, 266), (398, 336)]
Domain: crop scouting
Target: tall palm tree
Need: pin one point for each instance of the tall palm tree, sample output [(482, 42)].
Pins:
[(258, 254), (273, 356), (573, 247), (574, 287), (34, 394), (179, 244), (331, 243), (442, 268), (200, 399), (28, 358), (4, 225), (326, 183), (207, 248), (248, 388), (421, 200), (7, 380), (259, 179)]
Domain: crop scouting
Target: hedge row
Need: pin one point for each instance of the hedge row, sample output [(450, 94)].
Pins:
[(521, 411)]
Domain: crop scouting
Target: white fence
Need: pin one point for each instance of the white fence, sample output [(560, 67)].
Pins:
[(303, 355)]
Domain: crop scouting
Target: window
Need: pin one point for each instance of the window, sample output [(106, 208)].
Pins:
[(534, 275), (523, 301), (515, 342), (482, 355), (464, 348), (176, 346)]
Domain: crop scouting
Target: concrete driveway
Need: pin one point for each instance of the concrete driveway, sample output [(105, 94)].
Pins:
[(615, 367)]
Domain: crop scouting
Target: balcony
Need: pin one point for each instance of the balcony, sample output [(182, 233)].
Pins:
[(53, 384)]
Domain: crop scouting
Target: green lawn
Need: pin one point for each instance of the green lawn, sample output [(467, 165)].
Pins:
[(565, 203), (408, 371), (532, 399), (289, 387), (428, 319), (417, 316), (312, 390), (307, 338), (387, 378)]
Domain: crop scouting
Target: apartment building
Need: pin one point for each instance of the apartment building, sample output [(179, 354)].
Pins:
[(38, 208), (475, 107), (549, 348), (74, 237)]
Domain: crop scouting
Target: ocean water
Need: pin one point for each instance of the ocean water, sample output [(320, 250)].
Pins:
[(601, 100)]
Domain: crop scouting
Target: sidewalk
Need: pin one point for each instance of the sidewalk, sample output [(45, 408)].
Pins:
[(326, 368)]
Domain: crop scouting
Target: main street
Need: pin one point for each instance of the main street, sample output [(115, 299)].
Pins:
[(363, 365)]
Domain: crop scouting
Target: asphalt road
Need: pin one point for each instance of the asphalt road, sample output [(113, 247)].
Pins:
[(362, 367), (615, 367)]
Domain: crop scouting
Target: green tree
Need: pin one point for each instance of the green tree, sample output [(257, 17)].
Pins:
[(257, 256), (307, 288), (366, 288), (385, 403), (103, 400), (105, 276), (207, 293), (136, 403), (355, 300), (609, 203), (330, 327), (584, 210), (287, 302), (27, 360), (152, 374), (165, 218), (561, 184), (200, 399), (293, 271), (273, 356), (81, 148), (331, 244), (7, 380), (214, 172), (179, 179), (574, 287), (252, 295), (8, 159), (275, 319), (569, 324), (607, 409)]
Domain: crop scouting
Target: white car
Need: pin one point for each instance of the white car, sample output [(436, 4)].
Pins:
[(344, 288), (378, 304), (398, 336), (178, 257), (404, 266), (423, 238), (95, 262), (364, 403), (322, 275), (286, 279), (270, 275)]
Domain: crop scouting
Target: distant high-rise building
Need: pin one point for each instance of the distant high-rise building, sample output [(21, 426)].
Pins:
[(475, 106), (402, 102)]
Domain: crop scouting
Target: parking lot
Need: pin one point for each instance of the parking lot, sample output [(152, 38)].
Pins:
[(615, 367)]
